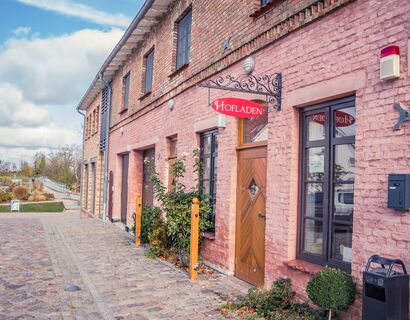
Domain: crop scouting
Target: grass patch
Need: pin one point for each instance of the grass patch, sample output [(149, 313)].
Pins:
[(37, 207)]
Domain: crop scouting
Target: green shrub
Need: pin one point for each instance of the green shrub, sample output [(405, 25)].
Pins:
[(21, 192), (331, 289), (6, 196), (176, 205), (48, 196), (280, 296), (5, 181), (150, 216)]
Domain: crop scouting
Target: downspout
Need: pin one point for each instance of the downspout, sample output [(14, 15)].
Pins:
[(82, 161), (107, 143)]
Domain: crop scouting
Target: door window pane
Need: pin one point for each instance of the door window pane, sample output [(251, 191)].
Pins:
[(316, 163), (343, 201), (255, 129), (314, 200), (344, 162), (342, 242), (313, 236), (316, 126), (345, 120)]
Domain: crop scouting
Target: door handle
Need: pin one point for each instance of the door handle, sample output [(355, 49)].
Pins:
[(262, 215)]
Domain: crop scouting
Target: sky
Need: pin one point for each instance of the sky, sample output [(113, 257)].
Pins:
[(50, 51)]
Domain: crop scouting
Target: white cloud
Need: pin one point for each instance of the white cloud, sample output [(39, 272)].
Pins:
[(56, 70), (15, 111), (82, 11), (48, 136), (21, 31)]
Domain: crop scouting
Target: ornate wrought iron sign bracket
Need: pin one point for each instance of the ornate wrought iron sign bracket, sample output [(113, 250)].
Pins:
[(404, 116), (269, 86)]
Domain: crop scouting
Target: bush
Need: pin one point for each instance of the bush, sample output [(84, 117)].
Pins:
[(5, 181), (21, 192), (331, 289), (280, 296), (6, 196), (49, 196), (149, 217), (176, 206)]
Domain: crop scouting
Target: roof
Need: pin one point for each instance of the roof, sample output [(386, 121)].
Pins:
[(147, 17)]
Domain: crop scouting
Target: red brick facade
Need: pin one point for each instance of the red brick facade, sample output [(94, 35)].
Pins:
[(325, 50), (92, 157)]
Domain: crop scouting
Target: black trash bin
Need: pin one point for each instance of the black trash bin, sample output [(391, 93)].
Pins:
[(385, 290)]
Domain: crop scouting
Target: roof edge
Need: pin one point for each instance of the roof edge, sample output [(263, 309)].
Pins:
[(137, 19)]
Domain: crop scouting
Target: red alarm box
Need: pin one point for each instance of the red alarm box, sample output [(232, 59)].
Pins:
[(390, 63)]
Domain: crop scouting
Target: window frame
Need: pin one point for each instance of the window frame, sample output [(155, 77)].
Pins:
[(126, 84), (149, 70), (213, 156), (183, 38), (329, 143)]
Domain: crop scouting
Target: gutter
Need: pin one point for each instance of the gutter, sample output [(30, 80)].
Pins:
[(107, 146), (140, 15), (82, 160)]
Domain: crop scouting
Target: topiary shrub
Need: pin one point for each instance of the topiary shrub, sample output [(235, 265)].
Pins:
[(21, 192), (331, 289)]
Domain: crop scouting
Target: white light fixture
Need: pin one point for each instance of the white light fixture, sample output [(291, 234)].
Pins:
[(249, 65), (171, 104)]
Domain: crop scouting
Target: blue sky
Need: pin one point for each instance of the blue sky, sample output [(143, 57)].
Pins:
[(50, 50)]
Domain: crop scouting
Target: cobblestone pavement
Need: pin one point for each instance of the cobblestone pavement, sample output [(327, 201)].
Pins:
[(41, 255)]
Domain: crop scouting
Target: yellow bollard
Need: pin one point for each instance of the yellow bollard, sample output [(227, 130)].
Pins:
[(138, 220), (193, 257)]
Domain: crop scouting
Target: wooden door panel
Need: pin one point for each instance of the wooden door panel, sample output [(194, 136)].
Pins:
[(250, 248)]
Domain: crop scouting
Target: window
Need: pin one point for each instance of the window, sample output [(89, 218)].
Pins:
[(265, 2), (149, 71), (97, 119), (126, 90), (172, 155), (327, 188), (184, 40), (209, 156), (254, 129), (93, 122)]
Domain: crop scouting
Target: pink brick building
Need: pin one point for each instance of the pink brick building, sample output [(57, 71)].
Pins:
[(300, 188)]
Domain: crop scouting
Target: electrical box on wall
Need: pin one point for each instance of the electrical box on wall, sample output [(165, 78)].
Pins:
[(399, 192), (390, 63)]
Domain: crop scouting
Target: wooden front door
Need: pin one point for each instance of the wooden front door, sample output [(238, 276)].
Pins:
[(250, 219), (147, 192), (111, 194), (124, 188)]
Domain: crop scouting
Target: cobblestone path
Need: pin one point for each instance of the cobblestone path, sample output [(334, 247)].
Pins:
[(41, 255)]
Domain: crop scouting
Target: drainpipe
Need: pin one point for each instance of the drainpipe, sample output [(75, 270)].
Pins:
[(82, 161), (107, 135)]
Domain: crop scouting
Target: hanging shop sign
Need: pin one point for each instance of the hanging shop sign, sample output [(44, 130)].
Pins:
[(343, 119), (237, 107)]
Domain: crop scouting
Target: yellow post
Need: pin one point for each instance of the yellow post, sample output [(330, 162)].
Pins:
[(138, 220), (193, 257)]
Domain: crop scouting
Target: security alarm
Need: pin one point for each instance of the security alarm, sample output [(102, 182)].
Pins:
[(390, 63)]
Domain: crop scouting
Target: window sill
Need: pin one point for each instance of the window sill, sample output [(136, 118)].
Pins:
[(209, 235), (177, 71), (303, 266), (122, 111), (262, 10), (146, 94)]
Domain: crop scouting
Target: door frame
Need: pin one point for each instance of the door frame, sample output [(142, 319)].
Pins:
[(110, 194), (264, 145)]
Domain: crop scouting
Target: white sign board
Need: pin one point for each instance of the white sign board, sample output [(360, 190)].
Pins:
[(15, 205)]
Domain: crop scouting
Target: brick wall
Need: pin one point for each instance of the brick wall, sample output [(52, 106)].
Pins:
[(92, 154), (334, 56)]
